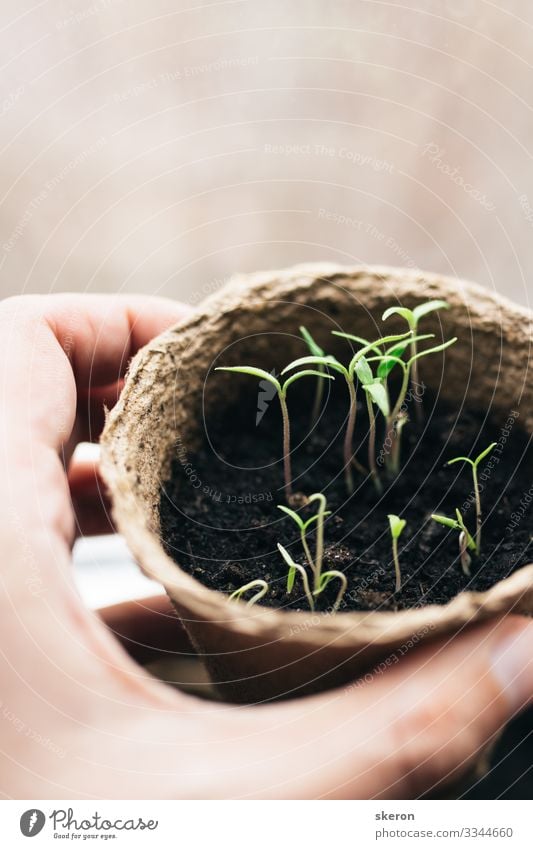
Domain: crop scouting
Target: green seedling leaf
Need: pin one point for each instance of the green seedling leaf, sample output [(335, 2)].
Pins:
[(291, 577), (285, 554), (470, 541), (401, 311), (484, 453), (363, 371), (327, 361), (325, 578), (477, 461), (379, 396), (434, 350), (254, 372), (359, 339), (295, 567), (395, 353), (392, 357), (412, 317), (396, 525), (456, 525), (387, 363), (305, 373), (460, 460), (444, 520), (293, 514), (312, 519), (430, 306), (384, 340), (315, 349)]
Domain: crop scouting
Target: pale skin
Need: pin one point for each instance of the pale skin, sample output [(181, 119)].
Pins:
[(66, 677)]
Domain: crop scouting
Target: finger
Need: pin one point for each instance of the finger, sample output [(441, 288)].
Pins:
[(59, 345), (147, 627), (422, 723), (50, 347), (91, 404), (90, 502), (100, 333)]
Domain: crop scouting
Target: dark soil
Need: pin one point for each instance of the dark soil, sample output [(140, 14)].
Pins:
[(220, 522)]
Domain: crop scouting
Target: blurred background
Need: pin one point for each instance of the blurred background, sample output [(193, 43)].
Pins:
[(160, 147)]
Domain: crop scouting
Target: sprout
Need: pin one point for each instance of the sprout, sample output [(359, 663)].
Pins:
[(244, 589), (281, 389), (303, 526), (412, 317), (474, 465), (466, 541), (397, 418), (315, 351), (349, 375), (293, 568), (396, 527), (376, 393), (320, 579)]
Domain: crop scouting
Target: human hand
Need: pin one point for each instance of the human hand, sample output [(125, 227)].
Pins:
[(79, 718)]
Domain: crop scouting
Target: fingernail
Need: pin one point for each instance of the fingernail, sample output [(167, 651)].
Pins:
[(512, 665)]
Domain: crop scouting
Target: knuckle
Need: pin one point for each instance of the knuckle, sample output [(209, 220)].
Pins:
[(434, 741)]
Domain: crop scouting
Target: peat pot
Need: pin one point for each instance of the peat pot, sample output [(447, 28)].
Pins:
[(256, 653)]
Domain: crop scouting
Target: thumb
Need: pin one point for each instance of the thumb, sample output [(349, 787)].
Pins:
[(398, 735), (447, 703)]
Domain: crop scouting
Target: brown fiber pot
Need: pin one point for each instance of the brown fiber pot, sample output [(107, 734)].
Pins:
[(255, 653)]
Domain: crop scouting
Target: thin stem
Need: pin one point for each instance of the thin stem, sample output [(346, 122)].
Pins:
[(307, 550), (389, 434), (319, 551), (305, 582), (479, 518), (343, 588), (396, 445), (259, 595), (372, 444), (464, 555), (414, 381), (396, 565), (348, 439), (287, 471), (403, 392), (319, 394), (394, 457)]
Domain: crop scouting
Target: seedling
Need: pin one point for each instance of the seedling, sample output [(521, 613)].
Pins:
[(474, 465), (263, 589), (293, 569), (320, 579), (412, 317), (315, 351), (303, 528), (281, 389), (395, 421), (376, 393), (349, 375), (466, 541), (396, 528)]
